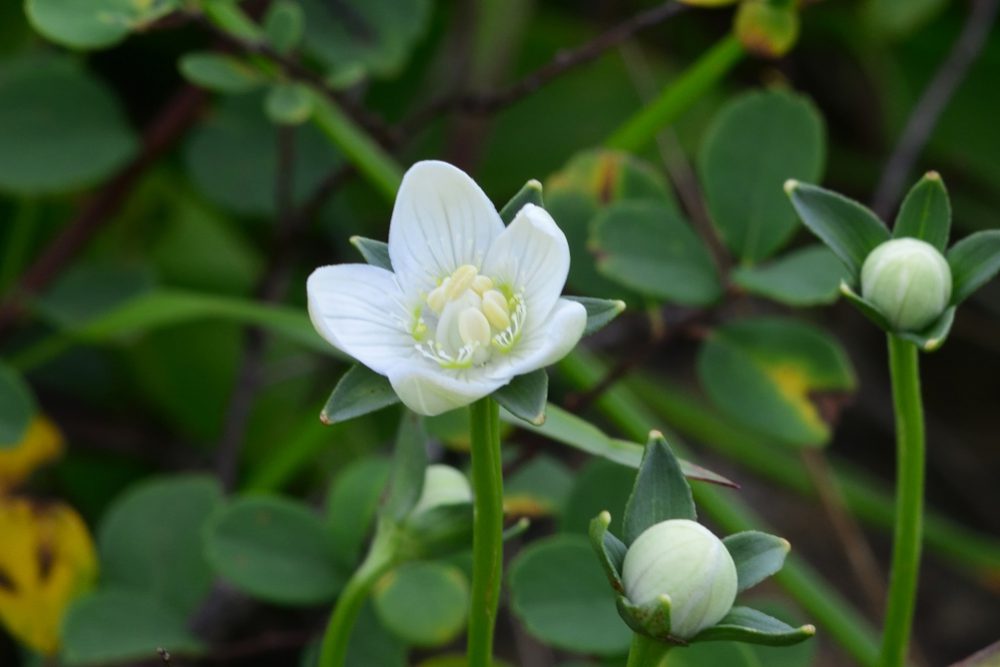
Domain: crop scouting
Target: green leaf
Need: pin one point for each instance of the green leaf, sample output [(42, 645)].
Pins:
[(530, 193), (660, 493), (654, 622), (284, 25), (849, 229), (898, 18), (649, 248), (352, 505), (374, 252), (588, 183), (423, 603), (114, 626), (560, 594), (610, 550), (765, 374), (375, 36), (409, 465), (925, 213), (232, 158), (525, 396), (754, 627), (289, 103), (95, 24), (757, 142), (17, 407), (974, 260), (220, 73), (150, 540), (757, 556), (358, 392), (934, 335), (600, 312), (61, 129), (567, 428), (805, 277), (275, 550)]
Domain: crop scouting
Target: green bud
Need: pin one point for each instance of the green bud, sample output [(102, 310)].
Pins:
[(443, 485), (909, 281), (684, 561), (766, 28)]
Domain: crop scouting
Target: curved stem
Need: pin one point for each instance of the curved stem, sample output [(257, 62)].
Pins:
[(336, 639), (646, 652), (904, 370), (487, 538)]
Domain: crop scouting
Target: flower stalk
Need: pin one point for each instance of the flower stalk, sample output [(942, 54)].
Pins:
[(646, 652), (904, 371), (380, 559), (487, 540)]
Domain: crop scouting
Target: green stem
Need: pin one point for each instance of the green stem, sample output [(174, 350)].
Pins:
[(646, 652), (336, 639), (643, 126), (381, 170), (905, 373), (487, 537), (822, 602)]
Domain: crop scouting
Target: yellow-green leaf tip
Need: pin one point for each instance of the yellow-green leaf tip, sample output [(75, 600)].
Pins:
[(790, 186), (809, 629), (932, 176), (786, 545), (605, 518)]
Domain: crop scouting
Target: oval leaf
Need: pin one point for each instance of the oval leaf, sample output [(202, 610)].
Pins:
[(424, 604), (804, 277), (17, 407), (754, 145), (275, 550), (218, 72), (359, 392), (765, 373)]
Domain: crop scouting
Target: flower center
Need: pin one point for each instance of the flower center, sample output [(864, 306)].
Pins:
[(467, 318)]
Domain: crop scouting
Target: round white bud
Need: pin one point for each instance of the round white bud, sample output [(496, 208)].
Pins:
[(684, 561), (909, 282)]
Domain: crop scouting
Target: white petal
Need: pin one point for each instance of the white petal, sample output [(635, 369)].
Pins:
[(532, 254), (546, 344), (359, 309), (429, 390), (441, 221)]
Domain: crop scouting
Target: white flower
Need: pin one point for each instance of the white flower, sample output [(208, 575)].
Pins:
[(471, 304)]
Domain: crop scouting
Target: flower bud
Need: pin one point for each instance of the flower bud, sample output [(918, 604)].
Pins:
[(443, 485), (684, 561), (909, 282)]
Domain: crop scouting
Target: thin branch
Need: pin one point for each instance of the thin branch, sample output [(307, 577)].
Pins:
[(563, 62), (932, 103), (163, 132)]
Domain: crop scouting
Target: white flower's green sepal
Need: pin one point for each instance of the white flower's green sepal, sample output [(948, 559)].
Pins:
[(743, 624), (652, 620), (530, 193), (374, 252), (443, 485), (600, 312), (682, 561), (610, 550), (526, 396), (358, 392), (908, 281)]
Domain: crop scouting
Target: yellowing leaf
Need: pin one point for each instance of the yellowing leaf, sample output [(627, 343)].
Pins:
[(42, 443), (47, 560)]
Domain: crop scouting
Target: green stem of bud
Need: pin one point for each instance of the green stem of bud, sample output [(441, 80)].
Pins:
[(647, 652), (381, 557), (487, 530), (904, 370)]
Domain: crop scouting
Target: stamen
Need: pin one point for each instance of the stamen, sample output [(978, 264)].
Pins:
[(481, 284), (473, 327), (496, 309), (461, 280)]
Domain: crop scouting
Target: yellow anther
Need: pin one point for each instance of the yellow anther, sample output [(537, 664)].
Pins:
[(419, 330), (496, 310), (473, 327), (438, 297), (481, 284), (460, 280)]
